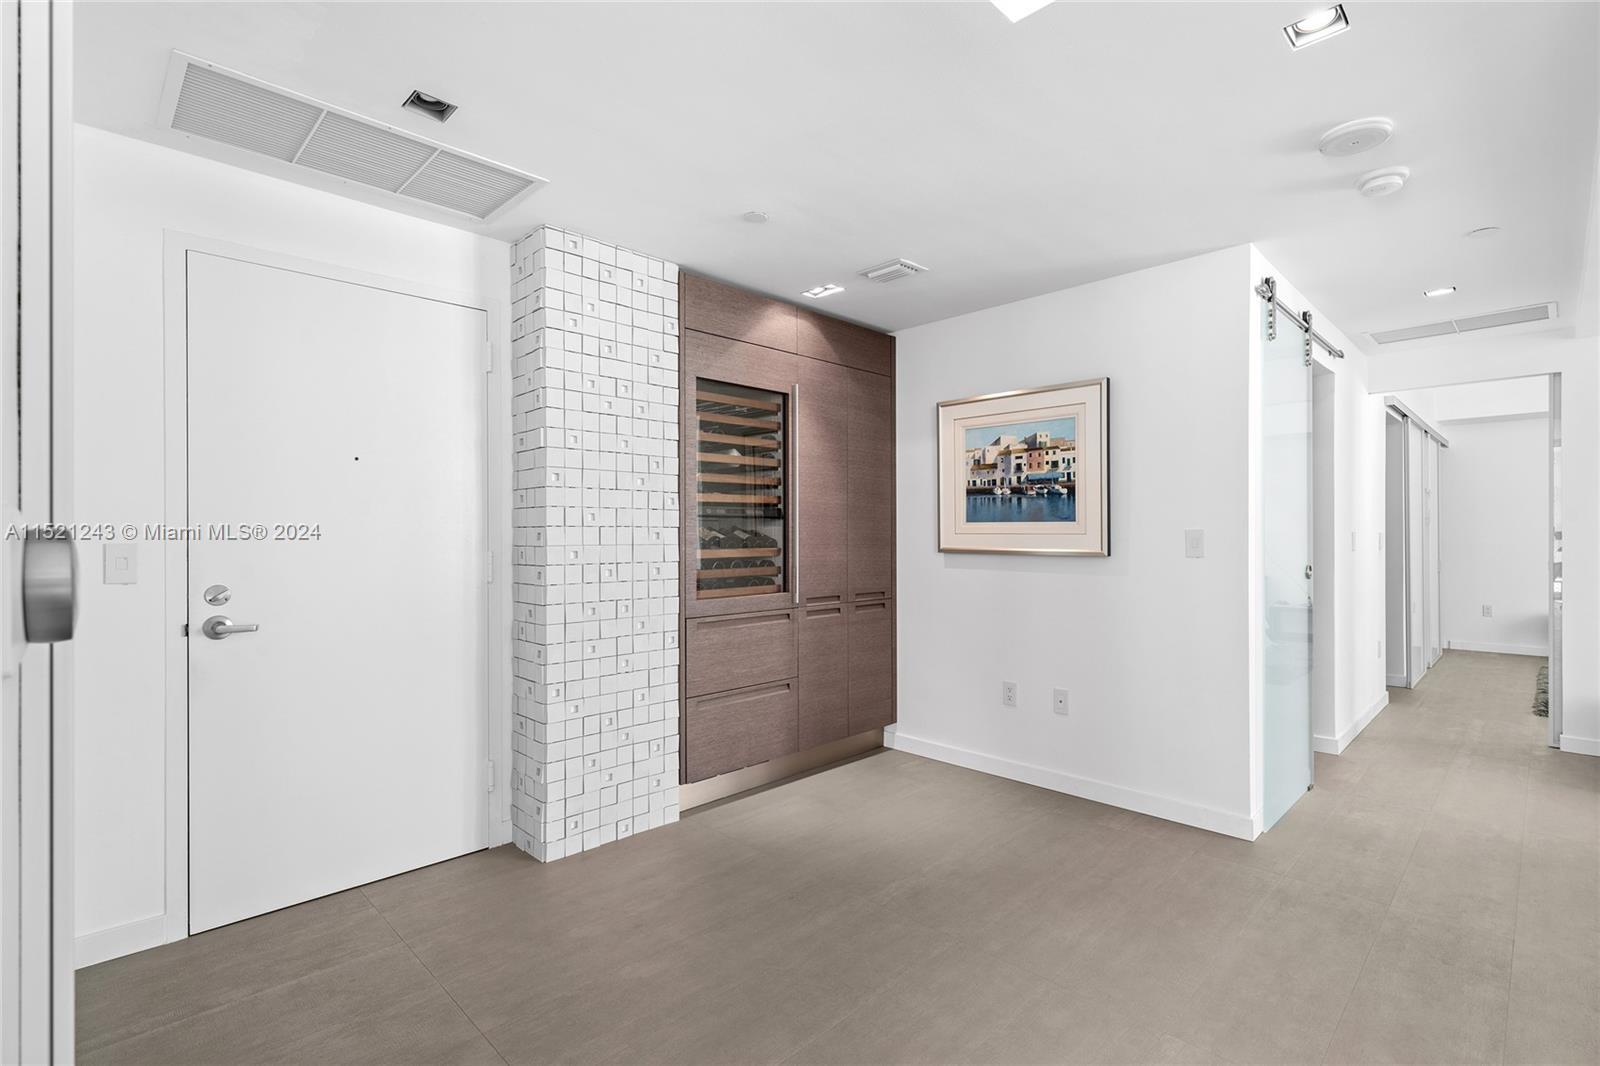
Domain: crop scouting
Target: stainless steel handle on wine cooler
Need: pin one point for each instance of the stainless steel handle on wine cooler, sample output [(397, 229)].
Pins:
[(793, 494)]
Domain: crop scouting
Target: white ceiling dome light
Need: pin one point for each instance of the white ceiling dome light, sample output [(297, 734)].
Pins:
[(1384, 182), (1359, 135)]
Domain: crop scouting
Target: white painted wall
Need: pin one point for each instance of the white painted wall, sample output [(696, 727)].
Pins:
[(128, 193), (1494, 530), (1577, 360), (1152, 646)]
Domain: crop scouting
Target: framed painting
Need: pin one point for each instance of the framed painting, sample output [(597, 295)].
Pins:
[(1026, 471)]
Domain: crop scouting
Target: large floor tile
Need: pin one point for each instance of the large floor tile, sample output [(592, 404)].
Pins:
[(380, 1008), (140, 992), (1430, 991), (1274, 991), (1361, 850)]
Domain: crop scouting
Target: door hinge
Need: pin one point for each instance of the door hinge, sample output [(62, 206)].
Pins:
[(186, 629), (491, 775)]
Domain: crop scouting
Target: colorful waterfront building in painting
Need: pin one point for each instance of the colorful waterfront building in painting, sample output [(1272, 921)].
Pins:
[(1009, 462)]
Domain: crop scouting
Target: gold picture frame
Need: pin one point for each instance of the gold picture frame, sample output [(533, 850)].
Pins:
[(1027, 472)]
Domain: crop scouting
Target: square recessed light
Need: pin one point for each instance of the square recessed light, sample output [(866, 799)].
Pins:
[(1317, 26), (424, 104), (1445, 291), (1017, 10), (820, 291)]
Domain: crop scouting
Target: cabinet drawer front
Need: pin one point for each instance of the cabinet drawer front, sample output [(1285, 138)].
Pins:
[(738, 651), (871, 665), (732, 730), (824, 675)]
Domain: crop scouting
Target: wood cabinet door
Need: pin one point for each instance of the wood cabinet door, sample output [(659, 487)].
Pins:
[(871, 665), (838, 341), (870, 486), (822, 433), (824, 675), (712, 307)]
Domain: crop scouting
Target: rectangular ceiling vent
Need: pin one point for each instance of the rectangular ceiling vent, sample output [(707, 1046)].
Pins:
[(1493, 320), (893, 270), (205, 100)]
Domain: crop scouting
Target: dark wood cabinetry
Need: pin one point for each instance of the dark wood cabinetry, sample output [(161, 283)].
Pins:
[(787, 493), (871, 665), (824, 685), (870, 480), (732, 730), (822, 435)]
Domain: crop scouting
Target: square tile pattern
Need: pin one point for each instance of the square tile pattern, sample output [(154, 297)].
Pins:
[(896, 909), (594, 335)]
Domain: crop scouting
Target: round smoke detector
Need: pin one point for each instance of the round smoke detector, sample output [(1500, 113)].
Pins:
[(1383, 182), (1350, 138)]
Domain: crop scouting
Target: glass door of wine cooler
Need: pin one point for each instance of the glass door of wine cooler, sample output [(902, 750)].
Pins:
[(741, 498)]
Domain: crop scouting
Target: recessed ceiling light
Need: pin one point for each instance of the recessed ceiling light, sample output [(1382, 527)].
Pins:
[(1317, 26), (1445, 291), (1482, 232), (757, 217), (1017, 10), (822, 290), (432, 106)]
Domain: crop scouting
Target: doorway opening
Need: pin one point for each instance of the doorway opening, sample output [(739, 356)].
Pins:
[(1472, 532)]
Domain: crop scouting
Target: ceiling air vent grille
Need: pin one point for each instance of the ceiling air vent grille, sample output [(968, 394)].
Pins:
[(204, 100), (893, 270), (1514, 317)]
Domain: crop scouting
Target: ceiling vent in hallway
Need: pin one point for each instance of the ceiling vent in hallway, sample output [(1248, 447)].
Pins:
[(205, 100), (1493, 320), (893, 270)]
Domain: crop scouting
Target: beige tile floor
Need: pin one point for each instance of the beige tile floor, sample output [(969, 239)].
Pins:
[(1436, 899)]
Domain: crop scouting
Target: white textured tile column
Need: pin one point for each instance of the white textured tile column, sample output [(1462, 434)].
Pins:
[(595, 419)]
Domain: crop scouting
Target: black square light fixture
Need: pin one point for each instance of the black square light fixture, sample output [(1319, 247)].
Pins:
[(431, 106), (1317, 26)]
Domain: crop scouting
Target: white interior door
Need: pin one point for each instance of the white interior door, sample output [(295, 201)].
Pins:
[(344, 740)]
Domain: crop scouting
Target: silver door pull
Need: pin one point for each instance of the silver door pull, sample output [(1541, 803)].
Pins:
[(220, 625)]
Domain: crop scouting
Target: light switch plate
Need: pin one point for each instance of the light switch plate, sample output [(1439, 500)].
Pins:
[(122, 563), (1194, 543)]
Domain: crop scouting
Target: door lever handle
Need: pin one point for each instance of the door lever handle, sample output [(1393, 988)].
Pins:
[(219, 626)]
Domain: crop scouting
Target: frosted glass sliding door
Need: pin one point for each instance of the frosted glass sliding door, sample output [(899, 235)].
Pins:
[(1286, 540)]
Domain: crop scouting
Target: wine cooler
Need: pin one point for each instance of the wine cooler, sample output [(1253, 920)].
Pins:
[(741, 495)]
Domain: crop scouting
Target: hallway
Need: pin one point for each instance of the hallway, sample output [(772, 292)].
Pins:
[(1434, 899)]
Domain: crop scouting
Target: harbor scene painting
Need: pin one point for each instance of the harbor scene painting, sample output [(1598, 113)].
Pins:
[(1022, 471), (1026, 471)]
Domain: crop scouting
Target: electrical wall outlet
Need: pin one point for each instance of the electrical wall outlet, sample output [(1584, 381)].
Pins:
[(1008, 693), (1194, 543), (1488, 611), (1059, 701)]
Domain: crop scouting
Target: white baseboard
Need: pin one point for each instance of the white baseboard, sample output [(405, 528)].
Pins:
[(1580, 745), (1336, 745), (119, 940), (1501, 649), (1173, 810)]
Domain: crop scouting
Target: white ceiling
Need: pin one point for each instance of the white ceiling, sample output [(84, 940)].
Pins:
[(1086, 141)]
